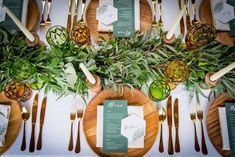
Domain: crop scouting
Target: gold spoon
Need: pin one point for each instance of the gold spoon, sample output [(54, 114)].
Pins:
[(25, 116), (162, 117)]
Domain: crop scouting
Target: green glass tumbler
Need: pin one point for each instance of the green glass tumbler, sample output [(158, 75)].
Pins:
[(159, 90)]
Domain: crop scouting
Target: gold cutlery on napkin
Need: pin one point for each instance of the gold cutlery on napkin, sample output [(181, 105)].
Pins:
[(42, 117), (75, 17), (200, 117), (193, 118), (176, 122), (162, 117), (72, 118), (69, 20), (43, 23), (25, 116), (48, 21), (79, 116), (169, 121), (34, 118), (182, 20), (188, 21)]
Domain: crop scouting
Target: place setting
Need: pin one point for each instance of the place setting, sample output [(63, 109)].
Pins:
[(127, 85)]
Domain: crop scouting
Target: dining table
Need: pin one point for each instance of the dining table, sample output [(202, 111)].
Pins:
[(56, 130)]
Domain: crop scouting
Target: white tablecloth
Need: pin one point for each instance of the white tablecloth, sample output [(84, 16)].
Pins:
[(56, 129)]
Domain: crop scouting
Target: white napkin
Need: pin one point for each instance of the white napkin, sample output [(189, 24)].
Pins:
[(223, 128), (138, 110), (217, 23), (109, 28), (4, 118)]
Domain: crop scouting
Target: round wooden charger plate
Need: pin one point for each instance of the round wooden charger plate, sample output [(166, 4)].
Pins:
[(135, 97), (33, 14), (206, 17), (92, 23), (213, 125), (14, 122)]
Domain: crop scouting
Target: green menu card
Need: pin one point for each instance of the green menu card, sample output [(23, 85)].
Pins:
[(125, 26), (114, 112), (230, 114), (232, 22), (16, 6)]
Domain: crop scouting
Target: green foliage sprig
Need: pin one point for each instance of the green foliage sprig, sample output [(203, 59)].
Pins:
[(119, 62)]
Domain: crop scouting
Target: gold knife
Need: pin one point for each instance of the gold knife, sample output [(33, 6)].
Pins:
[(42, 116), (169, 121), (34, 118), (176, 122), (69, 16), (182, 20), (188, 22), (160, 12), (75, 17)]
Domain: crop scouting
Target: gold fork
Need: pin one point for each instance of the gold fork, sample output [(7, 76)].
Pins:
[(200, 117), (193, 118), (79, 116), (72, 118), (48, 21), (43, 23)]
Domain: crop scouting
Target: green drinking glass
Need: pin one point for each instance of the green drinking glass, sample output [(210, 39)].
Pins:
[(159, 90)]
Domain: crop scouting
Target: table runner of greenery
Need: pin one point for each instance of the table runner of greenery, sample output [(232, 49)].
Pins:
[(118, 61)]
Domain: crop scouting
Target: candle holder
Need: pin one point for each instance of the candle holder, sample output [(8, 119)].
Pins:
[(169, 41), (208, 81), (57, 36), (18, 91), (159, 90), (97, 86), (176, 72)]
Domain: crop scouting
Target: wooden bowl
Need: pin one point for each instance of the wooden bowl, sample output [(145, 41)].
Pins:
[(213, 124), (205, 16), (14, 122), (33, 14), (134, 97), (92, 23)]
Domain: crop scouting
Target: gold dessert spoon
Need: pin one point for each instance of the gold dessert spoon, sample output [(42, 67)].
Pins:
[(162, 117), (25, 116)]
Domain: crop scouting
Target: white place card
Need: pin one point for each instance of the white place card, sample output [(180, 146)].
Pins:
[(224, 12), (107, 14), (133, 127)]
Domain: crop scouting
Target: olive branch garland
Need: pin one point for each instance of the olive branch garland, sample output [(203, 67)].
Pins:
[(119, 62)]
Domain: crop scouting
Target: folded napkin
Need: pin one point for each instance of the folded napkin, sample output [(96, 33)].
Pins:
[(109, 28), (224, 128), (138, 110), (217, 23), (4, 118)]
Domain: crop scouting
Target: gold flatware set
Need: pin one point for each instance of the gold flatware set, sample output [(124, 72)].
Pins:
[(162, 114), (44, 22), (73, 114), (34, 118), (197, 113)]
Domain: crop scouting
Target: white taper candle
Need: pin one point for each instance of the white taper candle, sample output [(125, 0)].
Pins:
[(20, 25), (89, 76), (222, 72), (171, 32)]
